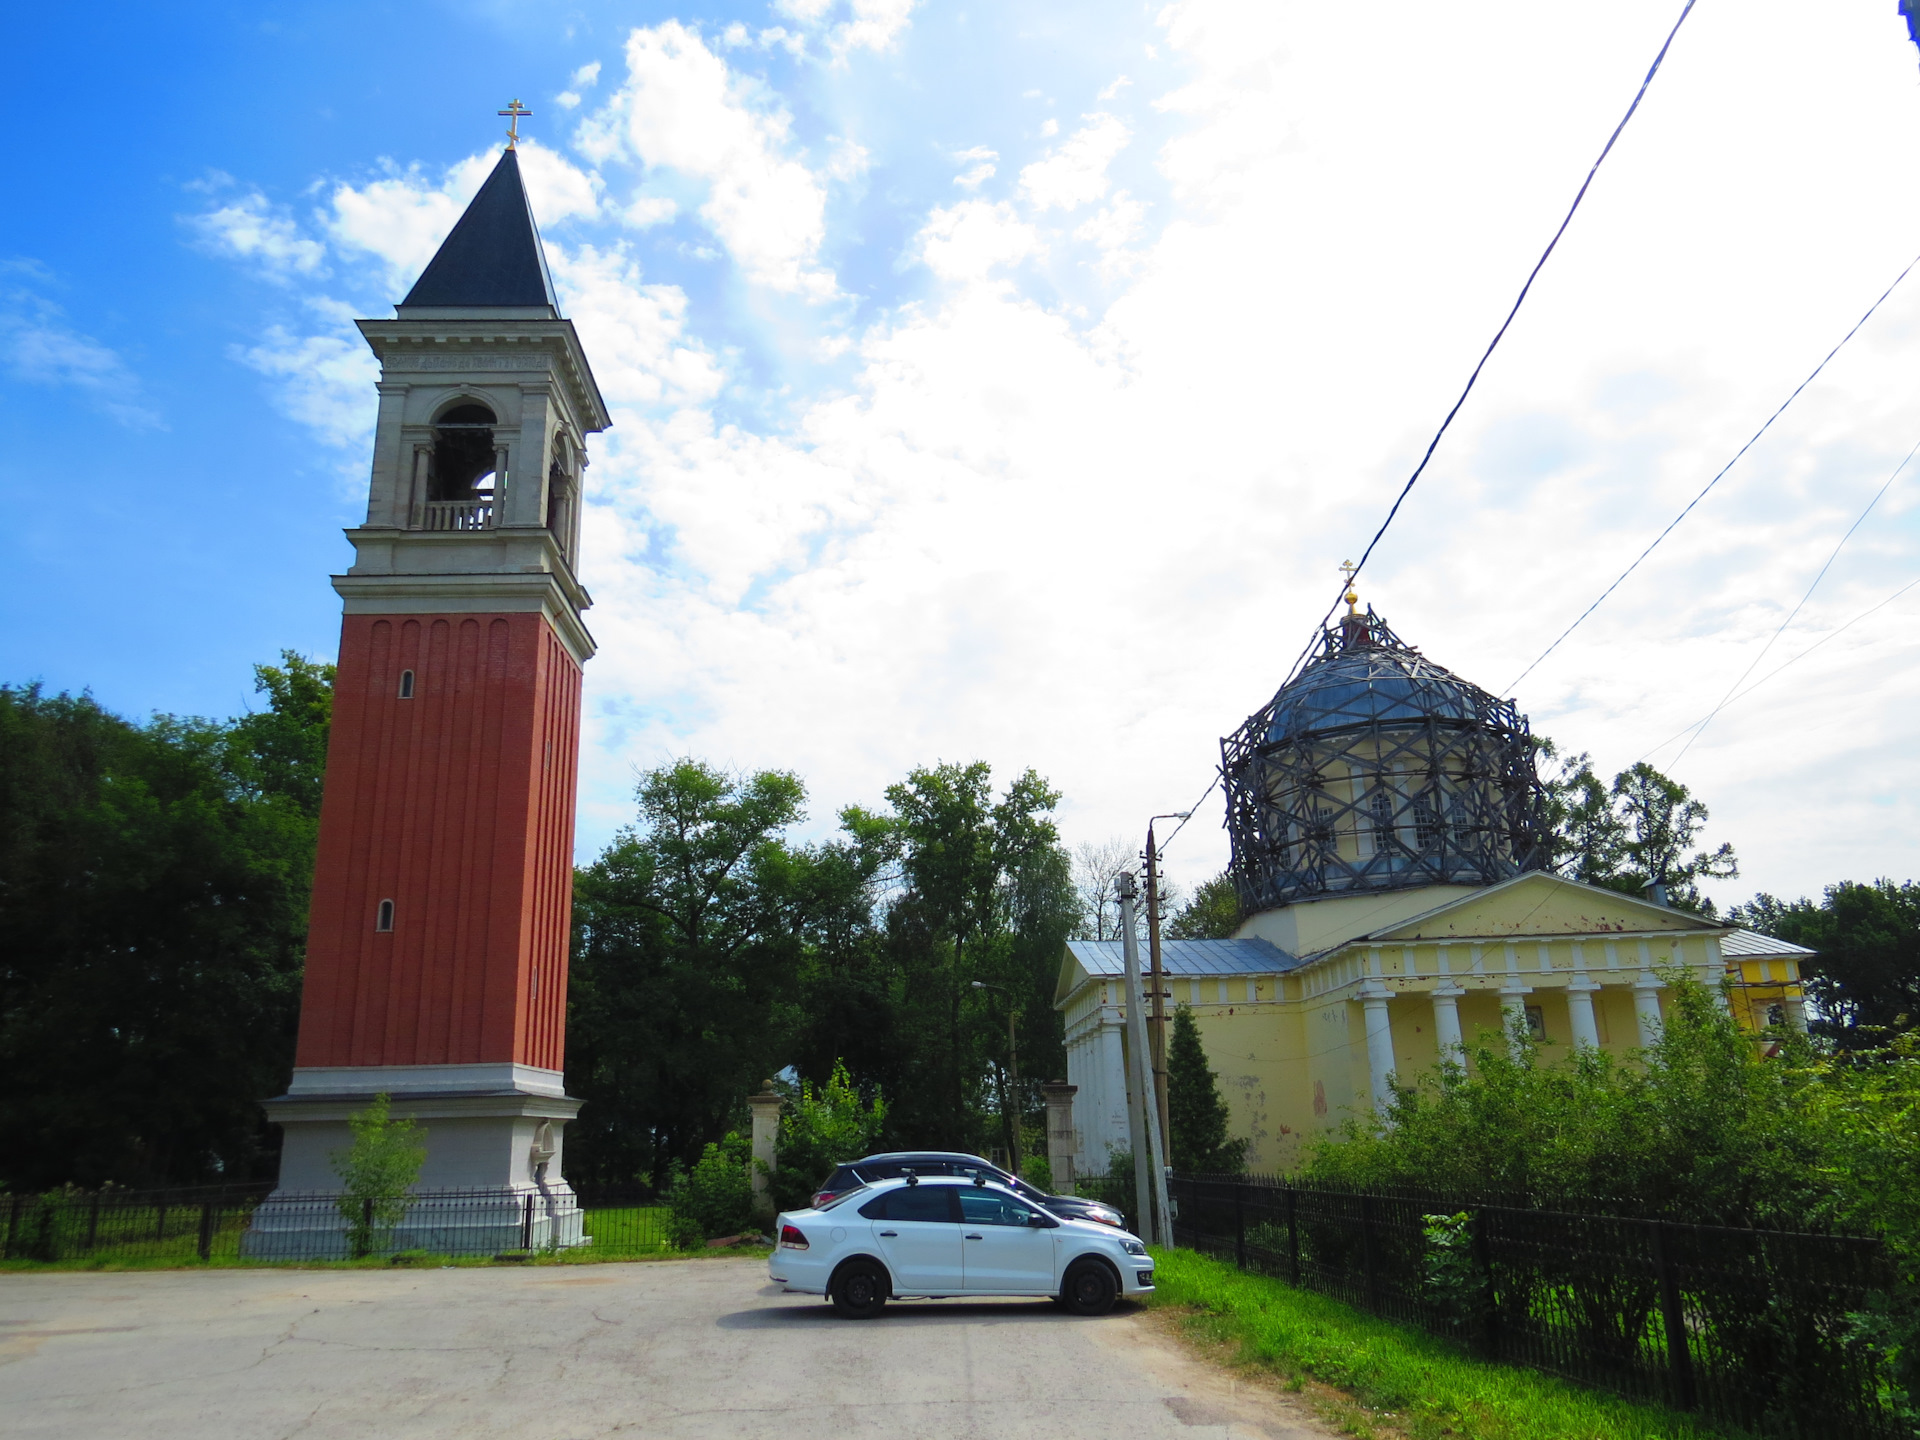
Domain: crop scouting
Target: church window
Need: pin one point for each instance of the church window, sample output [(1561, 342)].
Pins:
[(406, 684), (1429, 830), (1380, 816), (383, 920), (1536, 1022)]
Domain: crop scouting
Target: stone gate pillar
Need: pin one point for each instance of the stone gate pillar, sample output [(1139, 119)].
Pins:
[(1061, 1146), (766, 1135)]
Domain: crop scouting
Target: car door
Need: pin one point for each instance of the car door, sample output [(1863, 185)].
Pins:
[(1002, 1250), (917, 1232)]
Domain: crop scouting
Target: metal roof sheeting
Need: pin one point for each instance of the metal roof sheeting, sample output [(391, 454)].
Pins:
[(1752, 945), (1186, 957)]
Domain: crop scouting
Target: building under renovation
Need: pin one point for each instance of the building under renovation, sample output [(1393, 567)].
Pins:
[(1391, 852)]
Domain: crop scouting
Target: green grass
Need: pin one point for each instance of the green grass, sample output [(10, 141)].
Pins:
[(1371, 1377)]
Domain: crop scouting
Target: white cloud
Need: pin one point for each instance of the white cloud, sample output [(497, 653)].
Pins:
[(40, 348), (1049, 128), (325, 381), (681, 109), (636, 333), (1111, 229), (966, 241), (649, 210), (980, 166), (587, 76), (856, 25), (1120, 83), (1077, 171), (250, 228)]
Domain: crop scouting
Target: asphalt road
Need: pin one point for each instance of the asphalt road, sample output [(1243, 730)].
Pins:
[(702, 1348)]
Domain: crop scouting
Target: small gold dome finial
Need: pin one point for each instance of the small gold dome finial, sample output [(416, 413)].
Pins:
[(1347, 567)]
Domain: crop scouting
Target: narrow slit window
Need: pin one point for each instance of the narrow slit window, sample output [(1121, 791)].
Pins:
[(406, 684), (384, 919)]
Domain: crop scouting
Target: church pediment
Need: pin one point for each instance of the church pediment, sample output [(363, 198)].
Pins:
[(1541, 904)]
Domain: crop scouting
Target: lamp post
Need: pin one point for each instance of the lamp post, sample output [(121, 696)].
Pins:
[(1011, 1105)]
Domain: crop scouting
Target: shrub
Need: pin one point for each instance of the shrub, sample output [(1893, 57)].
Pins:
[(715, 1197), (820, 1129), (376, 1171)]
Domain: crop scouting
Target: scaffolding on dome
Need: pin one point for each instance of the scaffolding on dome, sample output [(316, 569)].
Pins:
[(1376, 769)]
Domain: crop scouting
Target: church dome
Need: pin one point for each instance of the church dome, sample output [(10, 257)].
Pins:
[(1376, 769)]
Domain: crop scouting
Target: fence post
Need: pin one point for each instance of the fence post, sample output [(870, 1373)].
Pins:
[(1366, 1252), (1679, 1356), (526, 1226), (1240, 1222), (1293, 1235), (206, 1229), (93, 1220), (1489, 1297)]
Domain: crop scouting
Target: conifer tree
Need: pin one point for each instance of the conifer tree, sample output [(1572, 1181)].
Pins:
[(1196, 1112)]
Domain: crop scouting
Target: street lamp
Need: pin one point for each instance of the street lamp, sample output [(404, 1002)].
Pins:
[(1011, 1105)]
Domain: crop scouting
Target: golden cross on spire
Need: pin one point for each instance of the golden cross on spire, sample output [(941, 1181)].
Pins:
[(519, 113), (1347, 568)]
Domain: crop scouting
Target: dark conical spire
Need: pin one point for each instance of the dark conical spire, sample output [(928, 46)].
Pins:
[(493, 257)]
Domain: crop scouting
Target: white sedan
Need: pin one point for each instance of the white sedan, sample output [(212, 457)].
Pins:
[(938, 1238)]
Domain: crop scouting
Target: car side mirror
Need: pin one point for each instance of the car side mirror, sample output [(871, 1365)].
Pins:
[(1037, 1221)]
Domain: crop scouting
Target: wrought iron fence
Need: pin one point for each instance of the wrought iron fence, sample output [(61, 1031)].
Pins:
[(252, 1222), (1755, 1327)]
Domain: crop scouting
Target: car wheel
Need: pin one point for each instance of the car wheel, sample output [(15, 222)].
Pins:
[(858, 1290), (1090, 1289)]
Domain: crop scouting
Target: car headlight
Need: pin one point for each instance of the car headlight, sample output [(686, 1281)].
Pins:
[(1133, 1247)]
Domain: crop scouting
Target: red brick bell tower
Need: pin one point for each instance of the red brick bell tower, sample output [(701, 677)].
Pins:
[(437, 955)]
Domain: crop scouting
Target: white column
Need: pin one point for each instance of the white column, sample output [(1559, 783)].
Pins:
[(1379, 1049), (766, 1138), (1446, 1024), (1586, 1032), (1513, 1001), (1646, 1007)]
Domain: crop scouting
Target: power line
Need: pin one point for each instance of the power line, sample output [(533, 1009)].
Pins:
[(1472, 379), (1500, 334), (1513, 683), (1830, 635), (1755, 662)]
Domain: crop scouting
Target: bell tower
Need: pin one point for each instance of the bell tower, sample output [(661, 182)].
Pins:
[(437, 954)]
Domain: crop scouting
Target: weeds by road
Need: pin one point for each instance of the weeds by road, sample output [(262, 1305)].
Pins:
[(1372, 1378)]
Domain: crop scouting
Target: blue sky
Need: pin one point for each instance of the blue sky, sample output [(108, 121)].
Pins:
[(1006, 381)]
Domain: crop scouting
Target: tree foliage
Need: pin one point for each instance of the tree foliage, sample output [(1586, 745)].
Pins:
[(1865, 980), (153, 900), (1212, 914), (376, 1171), (821, 1127), (1197, 1114), (1637, 833)]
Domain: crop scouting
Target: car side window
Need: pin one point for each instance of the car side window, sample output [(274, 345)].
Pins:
[(928, 1203), (988, 1207)]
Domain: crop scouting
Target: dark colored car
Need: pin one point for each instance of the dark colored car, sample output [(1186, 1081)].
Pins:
[(856, 1173)]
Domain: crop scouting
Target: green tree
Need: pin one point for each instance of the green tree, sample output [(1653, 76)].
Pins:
[(153, 903), (376, 1171), (1635, 834), (1212, 914), (715, 1197), (1865, 981), (986, 893), (1197, 1115), (820, 1128)]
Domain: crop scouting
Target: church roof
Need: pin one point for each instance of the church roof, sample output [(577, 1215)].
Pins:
[(1365, 674), (1186, 957), (1745, 944), (493, 258)]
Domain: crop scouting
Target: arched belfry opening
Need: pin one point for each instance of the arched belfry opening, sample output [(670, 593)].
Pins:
[(1375, 769), (461, 473)]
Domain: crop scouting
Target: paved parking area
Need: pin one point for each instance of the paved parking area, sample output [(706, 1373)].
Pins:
[(702, 1348)]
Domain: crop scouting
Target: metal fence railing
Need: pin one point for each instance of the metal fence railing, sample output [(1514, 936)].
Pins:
[(1754, 1327), (253, 1222)]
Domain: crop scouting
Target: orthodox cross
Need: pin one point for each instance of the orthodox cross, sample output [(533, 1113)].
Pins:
[(518, 112), (1347, 568)]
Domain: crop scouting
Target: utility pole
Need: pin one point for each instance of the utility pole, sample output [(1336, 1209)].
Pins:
[(1011, 1100), (1143, 1110), (1159, 1016)]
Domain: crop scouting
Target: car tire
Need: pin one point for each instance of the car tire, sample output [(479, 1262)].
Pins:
[(859, 1290), (1089, 1289)]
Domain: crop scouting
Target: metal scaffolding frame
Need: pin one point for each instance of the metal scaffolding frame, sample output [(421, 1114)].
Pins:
[(1376, 769)]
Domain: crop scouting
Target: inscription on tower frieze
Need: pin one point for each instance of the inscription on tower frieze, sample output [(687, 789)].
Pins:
[(534, 361)]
